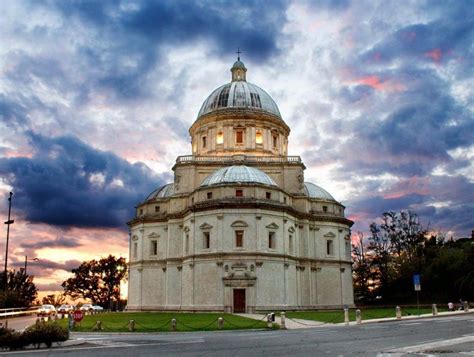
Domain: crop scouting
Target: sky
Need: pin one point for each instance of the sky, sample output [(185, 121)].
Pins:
[(96, 98)]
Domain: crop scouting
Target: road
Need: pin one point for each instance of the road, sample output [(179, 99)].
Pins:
[(453, 335), (19, 322)]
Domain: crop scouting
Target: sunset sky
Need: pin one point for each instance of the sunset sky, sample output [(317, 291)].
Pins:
[(96, 99)]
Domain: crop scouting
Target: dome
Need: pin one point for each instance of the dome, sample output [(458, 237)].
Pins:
[(239, 64), (314, 191), (238, 174), (162, 192), (239, 94)]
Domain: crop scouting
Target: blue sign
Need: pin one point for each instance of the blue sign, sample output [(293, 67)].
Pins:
[(416, 279)]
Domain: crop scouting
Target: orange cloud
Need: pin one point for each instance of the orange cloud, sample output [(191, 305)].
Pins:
[(376, 83), (434, 54)]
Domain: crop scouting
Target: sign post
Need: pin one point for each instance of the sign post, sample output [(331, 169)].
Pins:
[(417, 285), (78, 315)]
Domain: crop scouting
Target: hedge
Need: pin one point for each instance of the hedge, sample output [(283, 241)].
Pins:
[(36, 335)]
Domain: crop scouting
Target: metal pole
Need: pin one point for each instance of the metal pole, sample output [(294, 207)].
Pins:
[(8, 222), (418, 302)]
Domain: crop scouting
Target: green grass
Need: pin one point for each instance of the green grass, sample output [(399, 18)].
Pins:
[(337, 316), (161, 322)]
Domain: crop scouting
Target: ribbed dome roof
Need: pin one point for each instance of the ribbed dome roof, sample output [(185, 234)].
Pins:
[(239, 94), (162, 192), (237, 174), (314, 191)]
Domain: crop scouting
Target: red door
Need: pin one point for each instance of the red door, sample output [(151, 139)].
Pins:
[(239, 300)]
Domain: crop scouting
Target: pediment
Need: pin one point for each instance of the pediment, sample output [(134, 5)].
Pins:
[(272, 225), (205, 226), (239, 224), (186, 229), (291, 230), (134, 237), (153, 235), (330, 235)]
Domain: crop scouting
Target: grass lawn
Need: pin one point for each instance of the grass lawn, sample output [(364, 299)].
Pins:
[(161, 322), (337, 316)]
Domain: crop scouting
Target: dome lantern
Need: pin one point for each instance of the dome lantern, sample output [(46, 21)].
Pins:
[(238, 69)]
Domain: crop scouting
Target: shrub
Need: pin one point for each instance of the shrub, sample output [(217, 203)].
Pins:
[(46, 333), (12, 340)]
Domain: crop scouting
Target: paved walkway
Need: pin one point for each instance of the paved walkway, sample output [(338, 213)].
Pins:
[(300, 323), (290, 324)]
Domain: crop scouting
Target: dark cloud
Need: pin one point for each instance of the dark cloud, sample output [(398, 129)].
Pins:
[(129, 39), (68, 183), (60, 242), (40, 265)]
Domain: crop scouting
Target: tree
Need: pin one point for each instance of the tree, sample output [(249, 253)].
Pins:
[(20, 290), (98, 281), (362, 270), (53, 299)]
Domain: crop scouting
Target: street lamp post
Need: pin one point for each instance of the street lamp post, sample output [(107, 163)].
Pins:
[(8, 223), (26, 262)]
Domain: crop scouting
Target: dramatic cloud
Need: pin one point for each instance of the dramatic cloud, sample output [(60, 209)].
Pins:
[(68, 183)]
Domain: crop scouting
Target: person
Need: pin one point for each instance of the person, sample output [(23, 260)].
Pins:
[(461, 303), (450, 306)]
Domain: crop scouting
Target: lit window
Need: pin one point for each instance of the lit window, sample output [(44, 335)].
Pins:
[(239, 137), (239, 239), (220, 137), (207, 240), (209, 195), (154, 247), (325, 208), (157, 208), (329, 247), (259, 138), (271, 240), (239, 193), (268, 195), (204, 141)]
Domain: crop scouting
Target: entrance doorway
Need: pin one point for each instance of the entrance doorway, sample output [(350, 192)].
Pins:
[(239, 300)]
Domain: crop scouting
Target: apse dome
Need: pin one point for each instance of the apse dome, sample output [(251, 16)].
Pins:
[(314, 191), (238, 174), (162, 192)]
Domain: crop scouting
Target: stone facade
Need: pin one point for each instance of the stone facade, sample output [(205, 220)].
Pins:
[(265, 241)]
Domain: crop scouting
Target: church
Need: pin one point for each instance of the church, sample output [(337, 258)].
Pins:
[(239, 229)]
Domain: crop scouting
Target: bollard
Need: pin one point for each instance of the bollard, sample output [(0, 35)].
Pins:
[(269, 321), (131, 325), (358, 317), (220, 323), (283, 322), (398, 313), (434, 308), (466, 306), (346, 316), (173, 324), (98, 326)]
